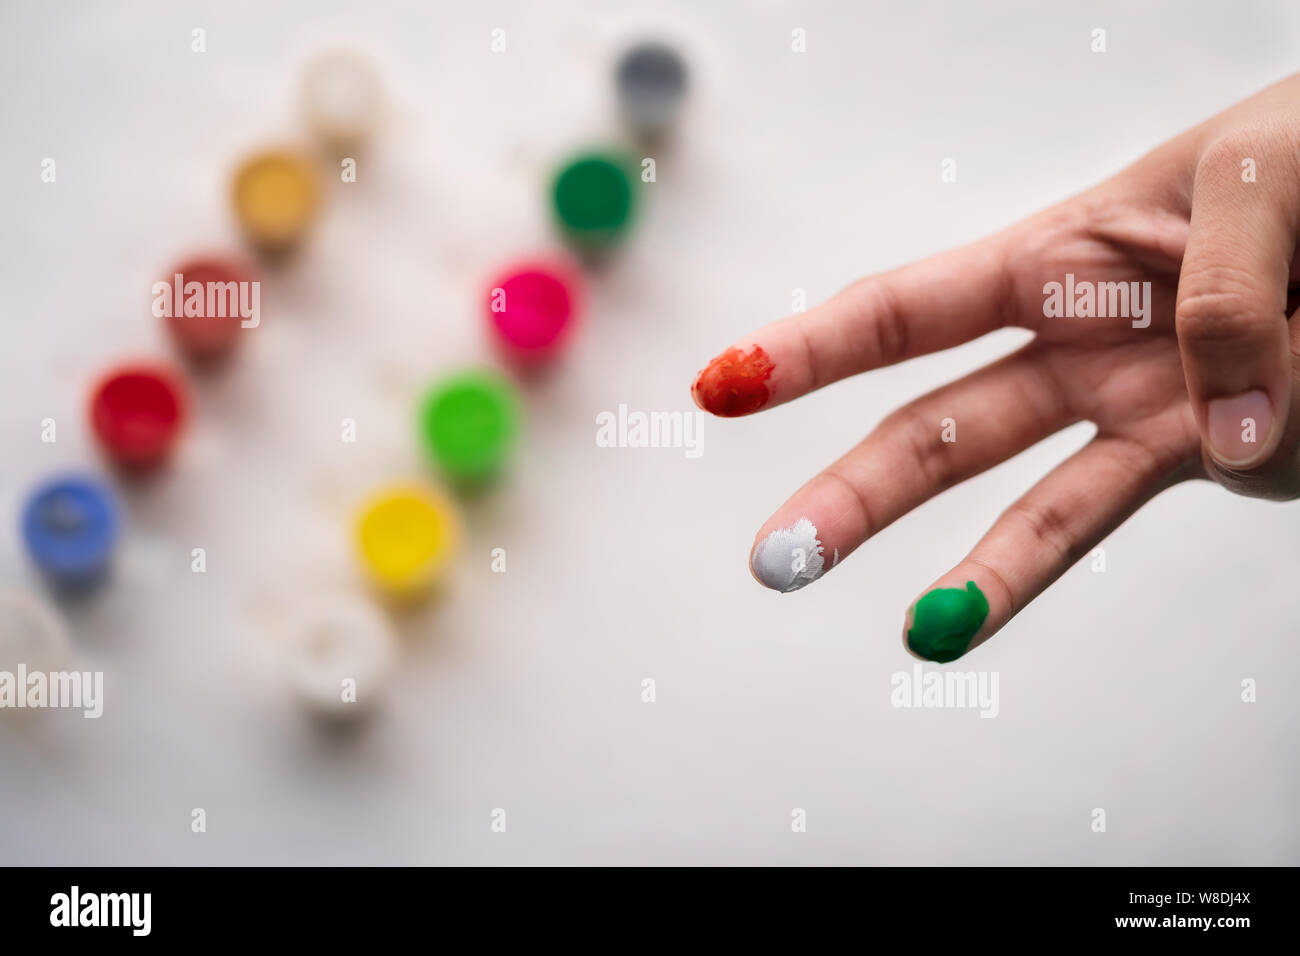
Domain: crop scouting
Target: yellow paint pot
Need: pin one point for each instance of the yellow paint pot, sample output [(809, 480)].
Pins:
[(406, 538)]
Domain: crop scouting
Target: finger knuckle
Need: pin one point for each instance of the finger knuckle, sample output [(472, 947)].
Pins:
[(1219, 304), (1268, 142), (931, 455), (1221, 159), (1050, 526), (879, 310)]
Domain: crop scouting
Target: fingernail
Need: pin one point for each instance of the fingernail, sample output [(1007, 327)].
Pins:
[(789, 558), (1238, 427), (943, 622)]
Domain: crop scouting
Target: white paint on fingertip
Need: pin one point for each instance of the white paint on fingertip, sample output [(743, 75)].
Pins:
[(789, 558)]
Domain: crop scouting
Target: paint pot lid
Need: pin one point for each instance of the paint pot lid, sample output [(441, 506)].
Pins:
[(204, 335), (651, 78), (533, 306), (338, 637), (137, 410), (469, 422), (406, 536), (593, 197), (341, 96), (276, 194), (70, 525)]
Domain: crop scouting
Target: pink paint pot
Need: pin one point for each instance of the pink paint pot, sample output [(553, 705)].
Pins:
[(532, 309)]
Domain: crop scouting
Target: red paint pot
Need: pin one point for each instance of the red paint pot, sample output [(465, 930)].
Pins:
[(532, 309), (227, 283), (137, 411)]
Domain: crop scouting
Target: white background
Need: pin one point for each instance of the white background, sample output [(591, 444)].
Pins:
[(522, 691)]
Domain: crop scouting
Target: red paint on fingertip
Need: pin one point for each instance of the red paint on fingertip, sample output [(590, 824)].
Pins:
[(734, 383)]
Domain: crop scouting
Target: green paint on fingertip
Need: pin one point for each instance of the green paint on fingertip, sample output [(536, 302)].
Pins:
[(945, 620)]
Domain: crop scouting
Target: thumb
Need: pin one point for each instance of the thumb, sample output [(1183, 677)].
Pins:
[(1231, 311)]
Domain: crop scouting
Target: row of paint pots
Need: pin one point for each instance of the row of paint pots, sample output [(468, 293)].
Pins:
[(343, 99), (332, 635), (276, 195), (531, 308), (468, 423)]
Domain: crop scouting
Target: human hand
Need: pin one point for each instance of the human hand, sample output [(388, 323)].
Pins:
[(1186, 367)]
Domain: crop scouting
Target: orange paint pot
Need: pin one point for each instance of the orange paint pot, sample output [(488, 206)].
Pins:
[(276, 195)]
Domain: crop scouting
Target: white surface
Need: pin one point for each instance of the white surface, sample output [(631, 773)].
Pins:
[(522, 690)]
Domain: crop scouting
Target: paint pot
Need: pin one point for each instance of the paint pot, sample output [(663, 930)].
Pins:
[(137, 412), (469, 422), (70, 526), (651, 79), (341, 98), (339, 656), (33, 638), (276, 195), (210, 334), (593, 198), (31, 631), (406, 538), (532, 309)]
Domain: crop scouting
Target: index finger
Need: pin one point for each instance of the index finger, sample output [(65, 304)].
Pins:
[(921, 308)]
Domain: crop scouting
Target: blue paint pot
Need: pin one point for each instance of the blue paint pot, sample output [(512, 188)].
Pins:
[(70, 525)]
